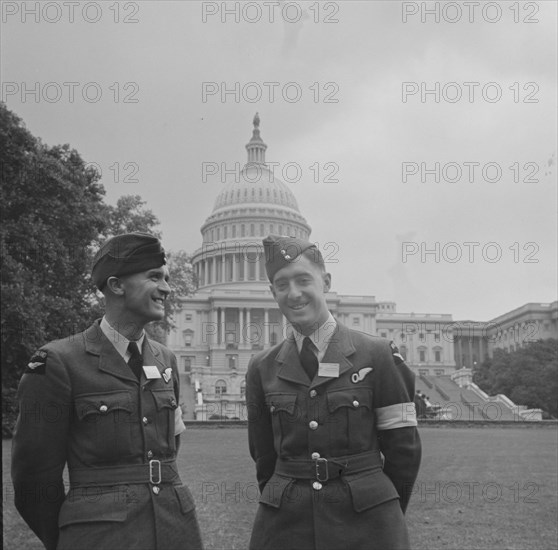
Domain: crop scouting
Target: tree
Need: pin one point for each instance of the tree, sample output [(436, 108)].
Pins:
[(52, 211), (130, 215), (528, 376)]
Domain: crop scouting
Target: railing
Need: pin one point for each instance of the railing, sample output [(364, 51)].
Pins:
[(442, 392)]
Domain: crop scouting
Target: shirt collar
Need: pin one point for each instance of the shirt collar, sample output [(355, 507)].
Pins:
[(320, 337), (118, 341)]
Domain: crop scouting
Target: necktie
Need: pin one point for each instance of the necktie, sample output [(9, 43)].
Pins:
[(136, 360), (308, 358)]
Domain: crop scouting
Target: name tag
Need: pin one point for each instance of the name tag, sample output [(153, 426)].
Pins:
[(151, 372), (329, 370)]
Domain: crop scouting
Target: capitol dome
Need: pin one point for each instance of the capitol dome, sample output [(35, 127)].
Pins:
[(246, 210)]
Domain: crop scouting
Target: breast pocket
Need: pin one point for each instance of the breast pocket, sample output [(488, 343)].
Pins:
[(284, 416), (105, 424), (165, 403), (350, 419)]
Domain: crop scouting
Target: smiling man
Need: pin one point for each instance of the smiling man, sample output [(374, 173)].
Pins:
[(331, 422), (104, 402)]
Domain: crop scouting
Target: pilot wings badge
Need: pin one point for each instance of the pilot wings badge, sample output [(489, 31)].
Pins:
[(167, 374), (357, 377)]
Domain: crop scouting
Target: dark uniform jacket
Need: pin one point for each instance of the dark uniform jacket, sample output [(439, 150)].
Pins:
[(81, 405), (347, 420)]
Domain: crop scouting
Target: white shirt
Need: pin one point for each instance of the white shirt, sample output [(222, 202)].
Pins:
[(118, 341), (320, 337)]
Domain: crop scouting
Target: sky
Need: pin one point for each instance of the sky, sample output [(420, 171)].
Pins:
[(418, 138)]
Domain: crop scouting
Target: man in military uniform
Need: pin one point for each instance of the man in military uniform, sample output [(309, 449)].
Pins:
[(331, 420), (104, 402)]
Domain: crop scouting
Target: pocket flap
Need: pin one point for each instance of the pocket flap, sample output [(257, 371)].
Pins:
[(273, 491), (370, 489), (185, 497), (94, 508), (349, 397), (281, 402), (164, 399), (103, 403)]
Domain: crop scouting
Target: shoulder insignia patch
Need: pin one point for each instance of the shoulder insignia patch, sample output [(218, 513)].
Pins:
[(357, 377), (397, 357), (37, 363)]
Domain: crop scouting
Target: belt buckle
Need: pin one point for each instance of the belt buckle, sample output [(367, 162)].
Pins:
[(318, 471), (157, 465)]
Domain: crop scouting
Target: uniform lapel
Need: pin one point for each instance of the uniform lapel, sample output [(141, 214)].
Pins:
[(289, 363), (339, 349), (152, 357), (110, 361)]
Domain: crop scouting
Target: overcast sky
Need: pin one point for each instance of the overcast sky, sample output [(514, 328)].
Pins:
[(366, 93)]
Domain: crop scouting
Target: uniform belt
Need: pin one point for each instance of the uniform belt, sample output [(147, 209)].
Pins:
[(154, 472), (323, 469)]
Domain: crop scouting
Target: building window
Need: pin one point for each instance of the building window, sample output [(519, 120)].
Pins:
[(225, 232), (439, 372), (234, 231), (232, 361), (436, 337), (421, 336), (187, 363), (188, 336), (243, 389), (262, 228), (242, 230), (383, 334), (220, 388), (422, 356), (252, 230), (356, 321), (188, 317), (437, 356)]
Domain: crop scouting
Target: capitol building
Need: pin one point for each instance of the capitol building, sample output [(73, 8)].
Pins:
[(233, 315)]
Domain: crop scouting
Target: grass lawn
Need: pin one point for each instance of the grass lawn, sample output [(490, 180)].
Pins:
[(478, 488)]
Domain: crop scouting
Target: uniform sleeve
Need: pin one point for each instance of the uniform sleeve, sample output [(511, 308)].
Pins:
[(396, 422), (260, 430), (39, 444)]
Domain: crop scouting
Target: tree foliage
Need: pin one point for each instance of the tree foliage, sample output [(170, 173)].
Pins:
[(528, 376), (52, 210)]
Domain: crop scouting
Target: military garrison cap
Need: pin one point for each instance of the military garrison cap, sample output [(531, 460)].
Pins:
[(126, 254), (281, 251)]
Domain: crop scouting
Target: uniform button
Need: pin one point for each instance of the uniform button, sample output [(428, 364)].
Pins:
[(316, 486), (103, 408), (313, 425), (315, 456), (156, 490), (355, 403), (173, 403), (149, 454), (313, 393), (272, 408), (144, 420)]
